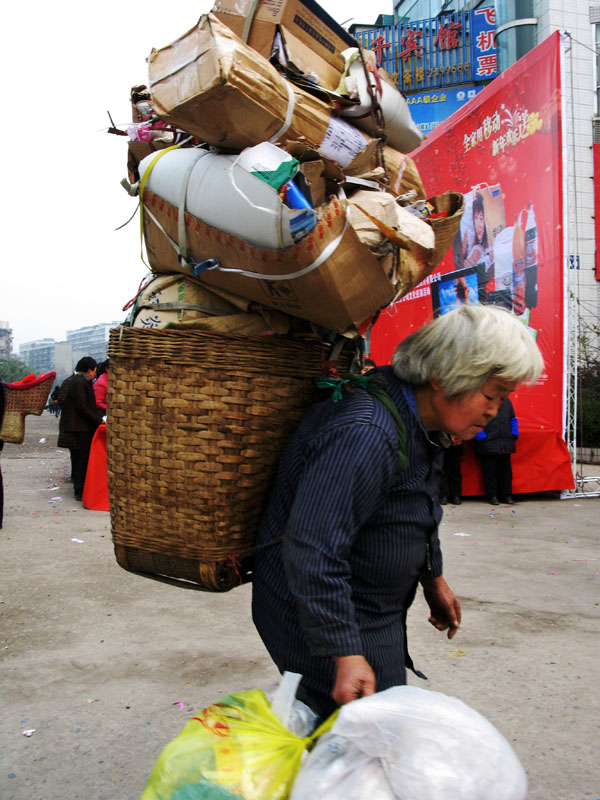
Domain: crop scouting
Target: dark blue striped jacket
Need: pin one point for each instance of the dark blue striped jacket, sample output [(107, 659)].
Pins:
[(355, 538)]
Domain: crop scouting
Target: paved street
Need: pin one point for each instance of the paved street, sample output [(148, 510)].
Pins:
[(97, 662)]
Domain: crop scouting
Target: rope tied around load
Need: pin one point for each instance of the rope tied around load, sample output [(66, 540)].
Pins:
[(376, 386), (377, 117)]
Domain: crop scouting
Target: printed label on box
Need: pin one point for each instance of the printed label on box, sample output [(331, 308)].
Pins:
[(342, 142)]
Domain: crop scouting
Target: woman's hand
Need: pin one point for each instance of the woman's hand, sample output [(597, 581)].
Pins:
[(443, 604), (354, 679)]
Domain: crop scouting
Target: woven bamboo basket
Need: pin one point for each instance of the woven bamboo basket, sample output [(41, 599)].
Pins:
[(196, 422), (21, 399)]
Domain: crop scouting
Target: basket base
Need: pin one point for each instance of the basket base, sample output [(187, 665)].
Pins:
[(186, 573)]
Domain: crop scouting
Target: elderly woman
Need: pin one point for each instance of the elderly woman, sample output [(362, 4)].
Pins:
[(351, 536)]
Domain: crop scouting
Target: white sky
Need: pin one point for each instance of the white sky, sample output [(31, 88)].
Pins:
[(64, 66)]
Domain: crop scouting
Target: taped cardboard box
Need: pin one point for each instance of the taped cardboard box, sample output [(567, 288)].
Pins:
[(408, 247), (314, 40), (328, 278), (212, 85), (401, 241)]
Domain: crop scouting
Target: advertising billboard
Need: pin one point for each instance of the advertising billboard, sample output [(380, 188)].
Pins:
[(503, 150)]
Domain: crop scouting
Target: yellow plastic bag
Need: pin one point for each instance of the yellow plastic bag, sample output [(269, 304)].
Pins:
[(235, 748)]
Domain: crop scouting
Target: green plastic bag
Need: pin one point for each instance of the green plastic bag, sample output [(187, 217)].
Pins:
[(235, 748)]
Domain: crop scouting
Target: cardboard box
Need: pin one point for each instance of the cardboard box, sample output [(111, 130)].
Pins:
[(211, 84), (402, 242), (314, 40), (343, 282), (219, 89)]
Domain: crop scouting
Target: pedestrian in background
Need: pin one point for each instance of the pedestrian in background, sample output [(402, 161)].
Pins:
[(82, 417), (101, 385), (494, 445), (451, 480), (368, 365), (66, 440)]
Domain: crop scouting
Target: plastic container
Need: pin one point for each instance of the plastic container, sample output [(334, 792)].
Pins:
[(399, 127), (222, 193), (294, 197), (269, 163), (503, 259), (518, 283), (531, 259)]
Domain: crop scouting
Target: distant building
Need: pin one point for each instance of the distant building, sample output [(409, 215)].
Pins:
[(38, 355), (64, 360), (6, 341), (92, 340)]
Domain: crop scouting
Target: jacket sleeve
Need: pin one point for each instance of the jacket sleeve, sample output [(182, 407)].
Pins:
[(84, 402), (100, 392), (63, 391), (338, 492)]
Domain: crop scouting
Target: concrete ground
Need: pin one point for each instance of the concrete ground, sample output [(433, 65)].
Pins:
[(101, 668)]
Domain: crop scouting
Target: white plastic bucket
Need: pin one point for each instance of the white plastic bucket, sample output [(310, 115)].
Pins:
[(223, 194), (400, 130)]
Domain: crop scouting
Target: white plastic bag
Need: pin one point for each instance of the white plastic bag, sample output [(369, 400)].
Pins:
[(408, 743), (293, 714)]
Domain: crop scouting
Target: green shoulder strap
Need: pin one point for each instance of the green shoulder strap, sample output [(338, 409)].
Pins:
[(376, 386)]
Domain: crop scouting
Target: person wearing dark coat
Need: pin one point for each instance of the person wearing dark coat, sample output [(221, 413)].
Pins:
[(349, 533), (66, 440), (451, 480), (494, 445), (81, 417)]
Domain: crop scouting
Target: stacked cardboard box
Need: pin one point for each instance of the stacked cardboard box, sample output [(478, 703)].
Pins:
[(220, 92)]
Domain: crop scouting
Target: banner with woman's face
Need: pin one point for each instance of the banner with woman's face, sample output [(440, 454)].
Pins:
[(503, 150)]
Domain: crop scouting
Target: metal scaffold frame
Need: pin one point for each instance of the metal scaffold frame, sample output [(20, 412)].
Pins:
[(585, 486)]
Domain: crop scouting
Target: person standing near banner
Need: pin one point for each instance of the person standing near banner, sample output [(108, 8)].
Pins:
[(494, 445), (351, 525), (451, 480), (100, 385)]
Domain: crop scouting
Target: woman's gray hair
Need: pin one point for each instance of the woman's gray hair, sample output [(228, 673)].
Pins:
[(462, 349)]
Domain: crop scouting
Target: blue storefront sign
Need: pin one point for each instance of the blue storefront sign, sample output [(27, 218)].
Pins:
[(451, 50), (428, 109), (483, 44)]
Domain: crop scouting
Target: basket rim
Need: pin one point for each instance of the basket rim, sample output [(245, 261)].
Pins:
[(23, 387), (121, 330)]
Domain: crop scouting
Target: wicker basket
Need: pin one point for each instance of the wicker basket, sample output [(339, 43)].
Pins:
[(196, 422), (21, 399)]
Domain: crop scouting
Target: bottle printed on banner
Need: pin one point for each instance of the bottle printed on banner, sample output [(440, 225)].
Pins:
[(518, 248), (531, 259)]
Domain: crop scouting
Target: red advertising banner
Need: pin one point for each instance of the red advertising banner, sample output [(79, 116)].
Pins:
[(503, 150), (596, 152)]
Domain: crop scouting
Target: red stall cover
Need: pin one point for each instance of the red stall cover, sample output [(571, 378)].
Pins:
[(504, 151)]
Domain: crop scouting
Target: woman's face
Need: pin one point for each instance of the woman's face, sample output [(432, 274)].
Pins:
[(468, 413), (479, 224)]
